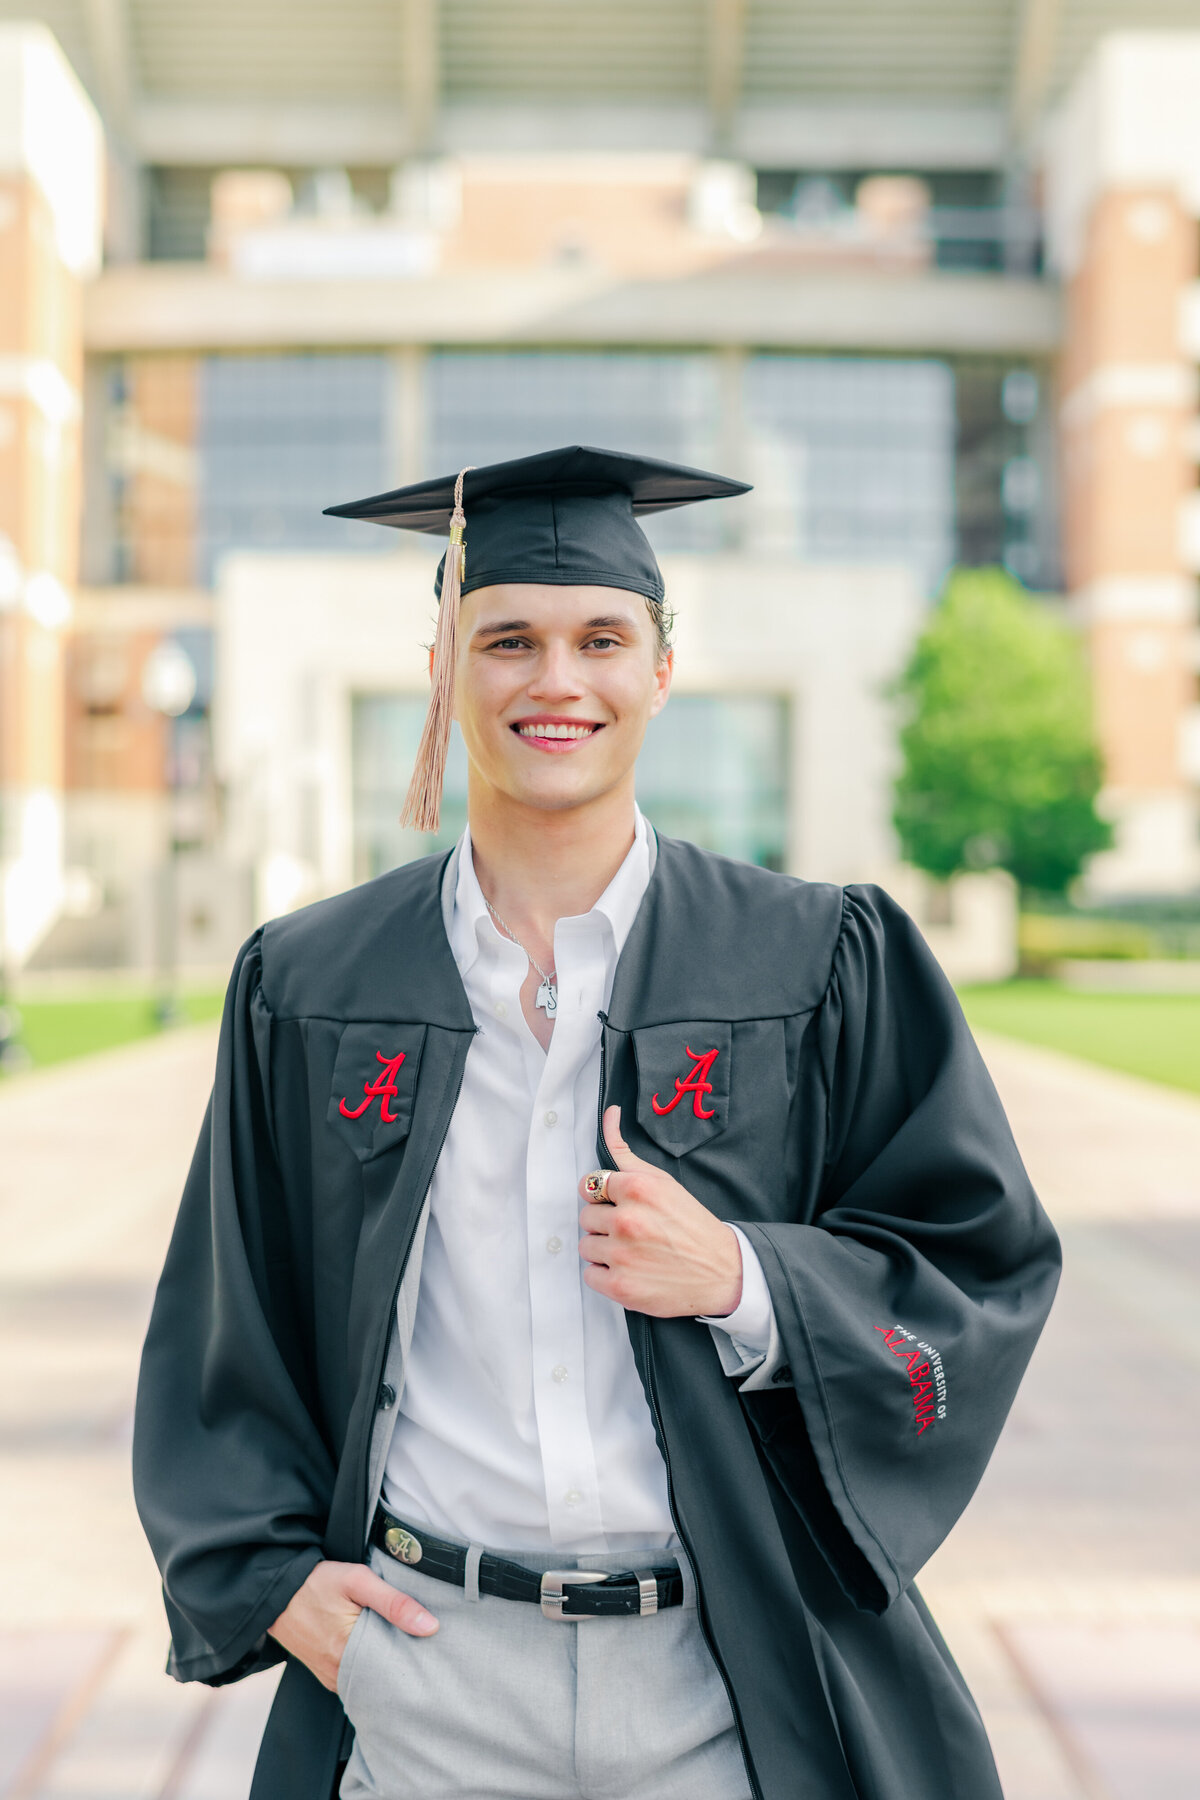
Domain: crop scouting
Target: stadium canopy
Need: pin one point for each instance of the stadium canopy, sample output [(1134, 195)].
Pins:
[(788, 83)]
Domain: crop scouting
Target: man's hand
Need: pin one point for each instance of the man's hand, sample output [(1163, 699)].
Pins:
[(651, 1247), (316, 1624)]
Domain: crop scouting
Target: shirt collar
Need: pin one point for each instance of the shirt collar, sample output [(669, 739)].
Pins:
[(618, 904)]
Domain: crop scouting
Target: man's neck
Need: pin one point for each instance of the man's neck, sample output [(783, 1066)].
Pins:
[(537, 867)]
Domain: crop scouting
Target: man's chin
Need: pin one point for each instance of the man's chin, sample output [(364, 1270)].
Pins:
[(559, 796)]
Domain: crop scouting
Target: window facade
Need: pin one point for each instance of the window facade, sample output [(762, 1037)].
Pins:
[(714, 769), (281, 437), (853, 459), (919, 461), (487, 406)]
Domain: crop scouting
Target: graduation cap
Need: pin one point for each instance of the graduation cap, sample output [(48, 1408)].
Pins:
[(567, 518)]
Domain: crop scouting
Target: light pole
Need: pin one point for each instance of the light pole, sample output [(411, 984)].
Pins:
[(13, 1055), (168, 688)]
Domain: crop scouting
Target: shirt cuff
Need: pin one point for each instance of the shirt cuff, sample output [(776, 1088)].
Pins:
[(747, 1340), (749, 1323)]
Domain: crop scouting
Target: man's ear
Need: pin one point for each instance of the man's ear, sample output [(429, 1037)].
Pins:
[(662, 679)]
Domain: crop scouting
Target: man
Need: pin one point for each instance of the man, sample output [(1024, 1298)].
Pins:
[(391, 1398)]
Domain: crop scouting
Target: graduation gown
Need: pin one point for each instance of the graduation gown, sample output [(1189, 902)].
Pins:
[(793, 1054)]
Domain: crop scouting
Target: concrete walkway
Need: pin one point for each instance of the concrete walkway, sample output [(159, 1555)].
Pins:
[(1070, 1592)]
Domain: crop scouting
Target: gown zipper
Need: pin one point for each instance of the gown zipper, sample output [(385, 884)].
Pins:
[(648, 1353), (656, 1412)]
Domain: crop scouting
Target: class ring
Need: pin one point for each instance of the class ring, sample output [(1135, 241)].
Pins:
[(595, 1185)]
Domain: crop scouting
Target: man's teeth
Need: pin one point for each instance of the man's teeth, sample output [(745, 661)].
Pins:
[(555, 731)]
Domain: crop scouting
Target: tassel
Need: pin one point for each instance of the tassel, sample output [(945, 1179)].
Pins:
[(423, 805)]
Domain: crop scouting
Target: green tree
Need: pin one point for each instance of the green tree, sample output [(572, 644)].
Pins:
[(1001, 767)]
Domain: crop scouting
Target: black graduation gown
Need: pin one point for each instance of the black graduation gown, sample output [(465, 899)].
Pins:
[(844, 1119)]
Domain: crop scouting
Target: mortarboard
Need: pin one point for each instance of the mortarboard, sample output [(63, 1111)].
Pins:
[(566, 517)]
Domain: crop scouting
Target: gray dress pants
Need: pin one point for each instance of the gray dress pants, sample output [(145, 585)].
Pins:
[(505, 1704)]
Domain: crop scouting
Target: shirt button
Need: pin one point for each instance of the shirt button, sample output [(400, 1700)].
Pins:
[(572, 1496), (501, 1009), (387, 1396), (551, 1118), (554, 1245), (559, 1371)]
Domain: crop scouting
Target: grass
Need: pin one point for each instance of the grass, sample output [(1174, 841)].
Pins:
[(55, 1030), (1156, 1036)]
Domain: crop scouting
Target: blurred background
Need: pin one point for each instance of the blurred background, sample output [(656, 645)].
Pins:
[(929, 277)]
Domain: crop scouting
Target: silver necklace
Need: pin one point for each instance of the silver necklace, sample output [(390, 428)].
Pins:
[(547, 994)]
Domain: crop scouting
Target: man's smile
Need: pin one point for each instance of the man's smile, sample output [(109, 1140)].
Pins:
[(555, 732)]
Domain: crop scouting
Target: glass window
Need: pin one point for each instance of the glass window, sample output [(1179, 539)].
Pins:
[(853, 459), (1007, 506), (385, 730), (485, 406), (280, 438), (713, 769)]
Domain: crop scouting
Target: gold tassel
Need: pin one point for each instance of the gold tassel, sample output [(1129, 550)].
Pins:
[(423, 805)]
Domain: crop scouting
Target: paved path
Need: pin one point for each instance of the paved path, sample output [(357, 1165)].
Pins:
[(92, 1155), (1070, 1593)]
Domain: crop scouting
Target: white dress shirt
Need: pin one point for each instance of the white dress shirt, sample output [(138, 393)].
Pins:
[(523, 1422)]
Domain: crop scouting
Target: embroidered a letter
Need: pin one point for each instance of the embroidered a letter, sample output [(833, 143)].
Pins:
[(695, 1083), (383, 1089)]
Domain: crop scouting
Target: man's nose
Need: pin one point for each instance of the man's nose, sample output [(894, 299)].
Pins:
[(557, 672)]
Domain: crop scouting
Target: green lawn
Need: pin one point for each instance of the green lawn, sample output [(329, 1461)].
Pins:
[(1153, 1035), (54, 1030)]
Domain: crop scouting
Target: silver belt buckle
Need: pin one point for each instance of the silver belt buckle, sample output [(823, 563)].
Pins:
[(553, 1598)]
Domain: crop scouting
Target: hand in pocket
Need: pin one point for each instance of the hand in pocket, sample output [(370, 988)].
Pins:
[(316, 1624)]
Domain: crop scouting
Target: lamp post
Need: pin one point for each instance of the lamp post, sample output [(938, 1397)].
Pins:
[(168, 688), (13, 1055)]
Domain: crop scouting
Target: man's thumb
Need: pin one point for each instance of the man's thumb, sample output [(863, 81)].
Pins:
[(622, 1155), (397, 1608)]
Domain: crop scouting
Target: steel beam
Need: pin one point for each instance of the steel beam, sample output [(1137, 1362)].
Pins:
[(420, 72), (1032, 68), (725, 55), (108, 36)]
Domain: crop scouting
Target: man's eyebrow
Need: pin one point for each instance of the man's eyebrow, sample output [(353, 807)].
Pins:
[(503, 625)]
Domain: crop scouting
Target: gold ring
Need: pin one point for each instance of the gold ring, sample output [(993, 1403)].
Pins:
[(595, 1185)]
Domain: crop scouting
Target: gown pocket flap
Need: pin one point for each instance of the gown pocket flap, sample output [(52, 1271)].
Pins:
[(374, 1080), (683, 1081)]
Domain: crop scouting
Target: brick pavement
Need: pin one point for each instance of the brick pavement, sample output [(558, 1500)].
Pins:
[(1070, 1592)]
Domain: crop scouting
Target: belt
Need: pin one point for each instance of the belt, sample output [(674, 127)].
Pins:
[(631, 1593)]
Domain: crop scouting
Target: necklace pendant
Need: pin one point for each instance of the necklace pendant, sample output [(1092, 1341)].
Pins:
[(547, 998)]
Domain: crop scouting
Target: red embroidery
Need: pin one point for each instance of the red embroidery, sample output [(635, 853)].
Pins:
[(383, 1089), (696, 1083), (920, 1377)]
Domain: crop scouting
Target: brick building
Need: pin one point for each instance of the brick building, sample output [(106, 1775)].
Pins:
[(930, 283)]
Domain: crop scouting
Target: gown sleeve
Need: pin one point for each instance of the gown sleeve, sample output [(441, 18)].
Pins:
[(911, 1304), (747, 1339), (231, 1476)]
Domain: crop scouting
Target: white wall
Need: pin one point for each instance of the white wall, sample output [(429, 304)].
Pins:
[(1131, 119), (50, 130), (298, 636)]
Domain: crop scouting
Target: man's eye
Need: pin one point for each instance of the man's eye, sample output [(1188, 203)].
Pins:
[(600, 643), (509, 644)]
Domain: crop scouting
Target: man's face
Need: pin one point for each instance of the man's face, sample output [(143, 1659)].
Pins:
[(554, 689)]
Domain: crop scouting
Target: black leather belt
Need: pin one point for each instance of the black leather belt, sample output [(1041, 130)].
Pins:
[(595, 1594)]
